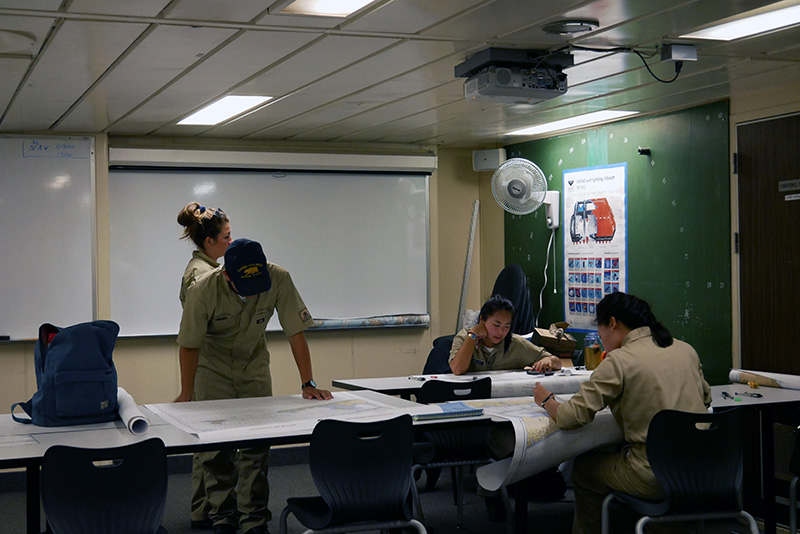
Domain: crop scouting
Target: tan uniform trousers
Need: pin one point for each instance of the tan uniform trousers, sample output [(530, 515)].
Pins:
[(236, 479), (595, 474)]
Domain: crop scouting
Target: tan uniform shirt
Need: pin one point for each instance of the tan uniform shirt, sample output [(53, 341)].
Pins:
[(199, 265), (229, 331), (636, 381), (521, 352)]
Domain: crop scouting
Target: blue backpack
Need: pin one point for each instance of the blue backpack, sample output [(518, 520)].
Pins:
[(75, 376)]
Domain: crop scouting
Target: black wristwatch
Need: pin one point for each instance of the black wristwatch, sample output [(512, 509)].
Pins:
[(309, 384)]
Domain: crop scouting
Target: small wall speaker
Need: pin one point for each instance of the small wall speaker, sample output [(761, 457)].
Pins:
[(488, 160)]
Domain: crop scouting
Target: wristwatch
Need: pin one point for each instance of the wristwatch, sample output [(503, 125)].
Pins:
[(472, 335), (309, 384)]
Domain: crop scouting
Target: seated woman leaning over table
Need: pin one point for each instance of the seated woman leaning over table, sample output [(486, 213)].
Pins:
[(645, 371), (491, 346)]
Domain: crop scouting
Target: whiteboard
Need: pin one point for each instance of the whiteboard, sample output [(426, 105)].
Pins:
[(355, 244), (46, 233)]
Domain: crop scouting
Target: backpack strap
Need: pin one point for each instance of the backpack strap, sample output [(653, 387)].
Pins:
[(26, 407)]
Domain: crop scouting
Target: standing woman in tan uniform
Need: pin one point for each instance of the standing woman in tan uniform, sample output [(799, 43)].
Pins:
[(645, 371), (210, 230)]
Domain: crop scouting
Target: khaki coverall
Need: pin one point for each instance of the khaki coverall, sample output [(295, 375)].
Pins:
[(234, 363), (636, 381), (199, 265), (521, 352)]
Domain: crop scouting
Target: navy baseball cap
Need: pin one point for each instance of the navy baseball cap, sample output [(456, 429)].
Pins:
[(246, 266)]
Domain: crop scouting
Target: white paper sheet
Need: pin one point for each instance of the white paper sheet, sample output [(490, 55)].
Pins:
[(273, 416), (540, 444), (130, 413)]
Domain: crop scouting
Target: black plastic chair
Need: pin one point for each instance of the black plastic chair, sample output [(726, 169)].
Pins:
[(118, 490), (512, 284), (457, 447), (697, 460), (363, 474), (438, 362)]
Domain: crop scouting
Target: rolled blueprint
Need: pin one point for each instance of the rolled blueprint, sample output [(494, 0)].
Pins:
[(539, 443), (130, 413), (773, 380)]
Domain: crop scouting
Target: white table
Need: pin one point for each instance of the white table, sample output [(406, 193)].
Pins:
[(24, 445), (770, 399), (504, 383)]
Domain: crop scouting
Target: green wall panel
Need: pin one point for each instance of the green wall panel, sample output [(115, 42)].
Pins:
[(678, 204)]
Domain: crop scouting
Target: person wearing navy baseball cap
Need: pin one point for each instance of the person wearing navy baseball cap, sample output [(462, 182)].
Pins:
[(223, 354), (246, 267)]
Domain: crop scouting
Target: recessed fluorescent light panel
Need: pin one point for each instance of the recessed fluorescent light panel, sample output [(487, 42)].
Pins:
[(224, 109), (327, 8), (574, 122), (750, 26)]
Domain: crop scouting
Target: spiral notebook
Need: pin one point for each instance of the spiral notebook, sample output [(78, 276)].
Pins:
[(449, 410)]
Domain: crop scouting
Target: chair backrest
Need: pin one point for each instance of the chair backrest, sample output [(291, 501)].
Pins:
[(697, 458), (105, 491), (512, 284), (444, 391), (438, 362), (461, 443), (363, 470)]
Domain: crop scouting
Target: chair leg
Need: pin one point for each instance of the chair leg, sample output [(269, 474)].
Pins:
[(641, 523), (793, 506), (751, 522), (510, 523), (415, 493), (459, 483), (605, 517), (283, 521), (420, 528), (454, 475)]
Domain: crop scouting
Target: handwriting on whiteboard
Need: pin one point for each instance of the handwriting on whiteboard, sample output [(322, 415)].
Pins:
[(55, 148)]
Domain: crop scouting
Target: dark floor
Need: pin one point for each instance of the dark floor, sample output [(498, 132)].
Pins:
[(289, 477)]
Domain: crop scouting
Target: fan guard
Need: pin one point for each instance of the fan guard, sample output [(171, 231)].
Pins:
[(519, 186)]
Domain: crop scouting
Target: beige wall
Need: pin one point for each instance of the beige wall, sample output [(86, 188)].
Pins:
[(148, 367)]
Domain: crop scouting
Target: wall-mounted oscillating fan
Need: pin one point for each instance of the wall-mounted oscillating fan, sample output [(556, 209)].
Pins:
[(520, 187)]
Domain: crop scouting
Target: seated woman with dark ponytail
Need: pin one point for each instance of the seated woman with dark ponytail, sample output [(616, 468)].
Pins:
[(645, 371)]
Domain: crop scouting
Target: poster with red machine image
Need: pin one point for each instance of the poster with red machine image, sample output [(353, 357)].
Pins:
[(595, 240)]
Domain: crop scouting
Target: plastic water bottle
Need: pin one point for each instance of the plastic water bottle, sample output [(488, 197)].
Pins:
[(592, 350)]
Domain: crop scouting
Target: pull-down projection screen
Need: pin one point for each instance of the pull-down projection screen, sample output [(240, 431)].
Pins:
[(356, 244)]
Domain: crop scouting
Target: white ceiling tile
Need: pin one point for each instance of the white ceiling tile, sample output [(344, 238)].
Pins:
[(408, 16), (141, 8), (163, 55), (217, 75), (240, 10), (39, 5), (13, 70), (39, 27), (80, 52), (383, 75), (322, 58)]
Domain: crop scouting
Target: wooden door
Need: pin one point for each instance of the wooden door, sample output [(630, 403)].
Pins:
[(769, 244)]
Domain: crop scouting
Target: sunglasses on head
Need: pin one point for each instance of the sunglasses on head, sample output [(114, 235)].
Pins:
[(217, 212)]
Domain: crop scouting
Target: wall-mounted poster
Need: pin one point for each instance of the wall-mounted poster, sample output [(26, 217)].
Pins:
[(595, 239)]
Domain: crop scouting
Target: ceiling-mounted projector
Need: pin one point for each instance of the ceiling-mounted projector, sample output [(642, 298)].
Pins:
[(513, 76)]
